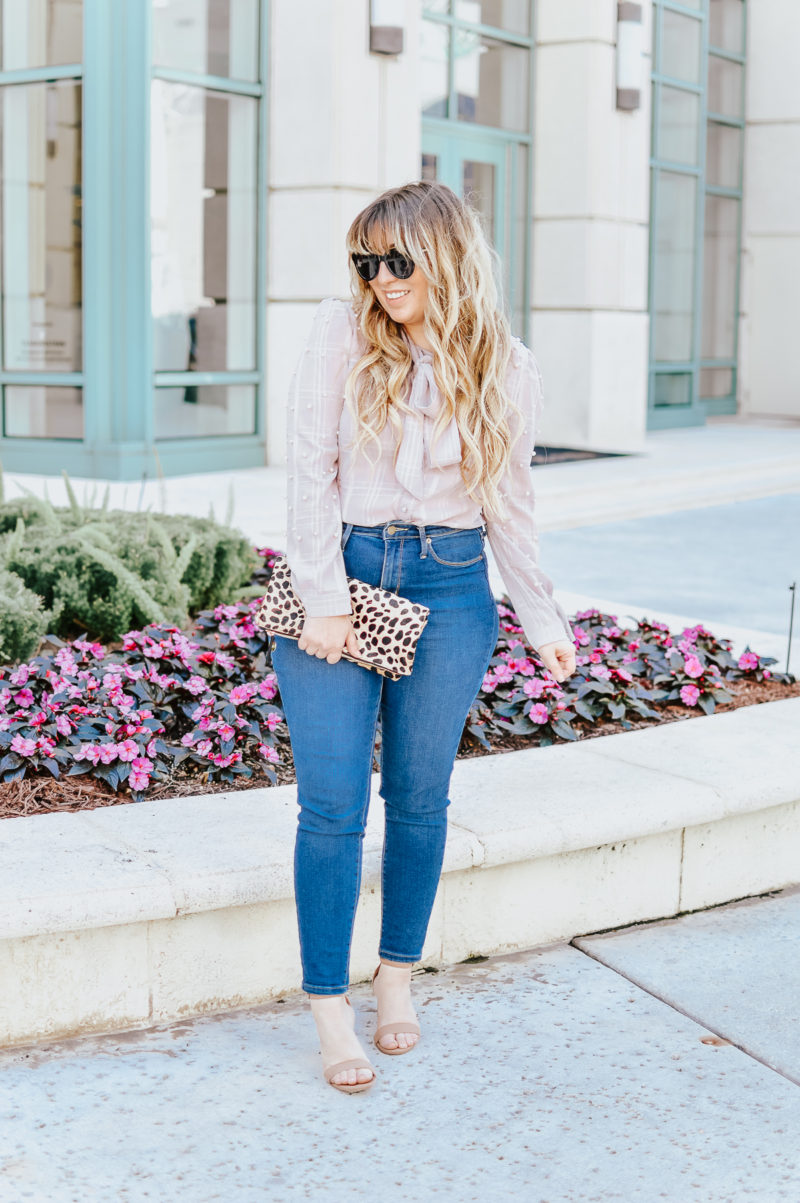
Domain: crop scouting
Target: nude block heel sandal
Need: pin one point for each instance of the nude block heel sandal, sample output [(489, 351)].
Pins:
[(407, 1026), (353, 1063)]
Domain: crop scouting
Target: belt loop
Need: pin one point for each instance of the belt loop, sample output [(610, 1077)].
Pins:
[(348, 526), (423, 555)]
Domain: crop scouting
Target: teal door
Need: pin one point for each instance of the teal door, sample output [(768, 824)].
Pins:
[(481, 168)]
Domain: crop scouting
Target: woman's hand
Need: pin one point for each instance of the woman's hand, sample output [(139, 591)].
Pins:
[(328, 637), (558, 657)]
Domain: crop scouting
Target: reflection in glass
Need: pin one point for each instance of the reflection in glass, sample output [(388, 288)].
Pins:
[(720, 255), (434, 41), (211, 37), (725, 80), (674, 388), (491, 81), (680, 46), (519, 242), (673, 284), (40, 242), (203, 228), (478, 186), (33, 411), (679, 125), (716, 382), (211, 409), (430, 167), (436, 6), (511, 15), (723, 155), (726, 25), (40, 33)]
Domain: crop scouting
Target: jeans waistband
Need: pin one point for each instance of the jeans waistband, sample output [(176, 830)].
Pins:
[(396, 529)]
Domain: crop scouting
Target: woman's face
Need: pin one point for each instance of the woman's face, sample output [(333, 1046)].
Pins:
[(404, 300)]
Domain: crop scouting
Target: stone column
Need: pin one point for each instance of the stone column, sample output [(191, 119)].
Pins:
[(589, 326), (344, 125)]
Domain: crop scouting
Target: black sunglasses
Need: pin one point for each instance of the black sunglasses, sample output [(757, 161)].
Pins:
[(368, 266)]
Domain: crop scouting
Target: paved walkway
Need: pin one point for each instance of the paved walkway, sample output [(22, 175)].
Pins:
[(659, 1062)]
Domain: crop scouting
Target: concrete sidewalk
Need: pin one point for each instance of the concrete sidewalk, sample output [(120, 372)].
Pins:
[(659, 1062)]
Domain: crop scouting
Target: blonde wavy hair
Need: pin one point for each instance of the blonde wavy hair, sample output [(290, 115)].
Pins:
[(464, 324)]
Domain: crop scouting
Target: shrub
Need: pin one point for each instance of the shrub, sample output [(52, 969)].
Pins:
[(109, 571), (23, 621)]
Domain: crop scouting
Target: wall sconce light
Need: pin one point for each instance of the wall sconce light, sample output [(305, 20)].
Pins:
[(629, 55), (386, 26)]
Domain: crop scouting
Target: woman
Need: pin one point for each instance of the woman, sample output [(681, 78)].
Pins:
[(411, 431)]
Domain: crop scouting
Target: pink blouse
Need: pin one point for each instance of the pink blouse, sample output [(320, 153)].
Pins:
[(329, 484)]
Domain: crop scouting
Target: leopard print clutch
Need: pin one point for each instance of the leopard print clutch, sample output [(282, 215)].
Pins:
[(387, 626)]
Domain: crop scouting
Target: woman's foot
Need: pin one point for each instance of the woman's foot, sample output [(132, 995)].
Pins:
[(392, 988), (335, 1020)]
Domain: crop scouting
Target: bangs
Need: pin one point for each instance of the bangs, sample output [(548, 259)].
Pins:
[(380, 228)]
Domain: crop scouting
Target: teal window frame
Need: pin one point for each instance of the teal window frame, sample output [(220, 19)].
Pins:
[(699, 407), (117, 378), (448, 136)]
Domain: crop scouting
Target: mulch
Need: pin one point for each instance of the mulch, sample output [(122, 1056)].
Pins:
[(40, 795)]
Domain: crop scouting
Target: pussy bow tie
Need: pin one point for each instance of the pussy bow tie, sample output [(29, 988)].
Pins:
[(417, 452)]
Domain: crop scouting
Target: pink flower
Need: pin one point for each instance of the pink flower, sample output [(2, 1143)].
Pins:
[(88, 752), (128, 750), (108, 752), (692, 667), (22, 746), (503, 673), (267, 688), (63, 725), (273, 720), (600, 671), (20, 675), (242, 693), (268, 753), (534, 688), (188, 739), (24, 698), (196, 685), (138, 781), (689, 695), (766, 673), (489, 683), (225, 731), (203, 747), (516, 665), (748, 660), (538, 713)]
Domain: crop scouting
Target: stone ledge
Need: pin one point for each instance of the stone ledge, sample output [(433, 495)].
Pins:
[(140, 913)]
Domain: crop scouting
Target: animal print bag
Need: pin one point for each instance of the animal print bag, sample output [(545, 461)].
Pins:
[(387, 626)]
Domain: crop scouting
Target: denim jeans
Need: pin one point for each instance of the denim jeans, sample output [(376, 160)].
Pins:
[(332, 714)]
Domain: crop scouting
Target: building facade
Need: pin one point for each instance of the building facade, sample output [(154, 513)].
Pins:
[(176, 178)]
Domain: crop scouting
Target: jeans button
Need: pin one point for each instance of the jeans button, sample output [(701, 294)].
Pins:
[(390, 530)]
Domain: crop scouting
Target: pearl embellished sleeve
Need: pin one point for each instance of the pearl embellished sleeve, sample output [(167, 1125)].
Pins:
[(314, 521), (515, 540)]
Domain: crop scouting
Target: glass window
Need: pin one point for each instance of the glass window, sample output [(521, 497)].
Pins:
[(478, 190), (674, 388), (679, 125), (726, 25), (680, 46), (723, 155), (716, 382), (39, 412), (434, 42), (519, 239), (40, 33), (725, 86), (40, 243), (491, 81), (720, 255), (191, 411), (514, 16), (210, 37), (436, 6), (673, 292), (430, 167), (203, 228)]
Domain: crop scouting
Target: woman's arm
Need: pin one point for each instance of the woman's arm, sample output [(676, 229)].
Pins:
[(515, 540), (314, 521)]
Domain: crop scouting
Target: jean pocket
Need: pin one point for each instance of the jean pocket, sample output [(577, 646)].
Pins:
[(445, 548)]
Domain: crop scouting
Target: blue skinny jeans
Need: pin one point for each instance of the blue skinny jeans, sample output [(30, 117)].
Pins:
[(332, 713)]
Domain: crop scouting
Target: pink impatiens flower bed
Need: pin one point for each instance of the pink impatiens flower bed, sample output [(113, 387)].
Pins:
[(203, 703)]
